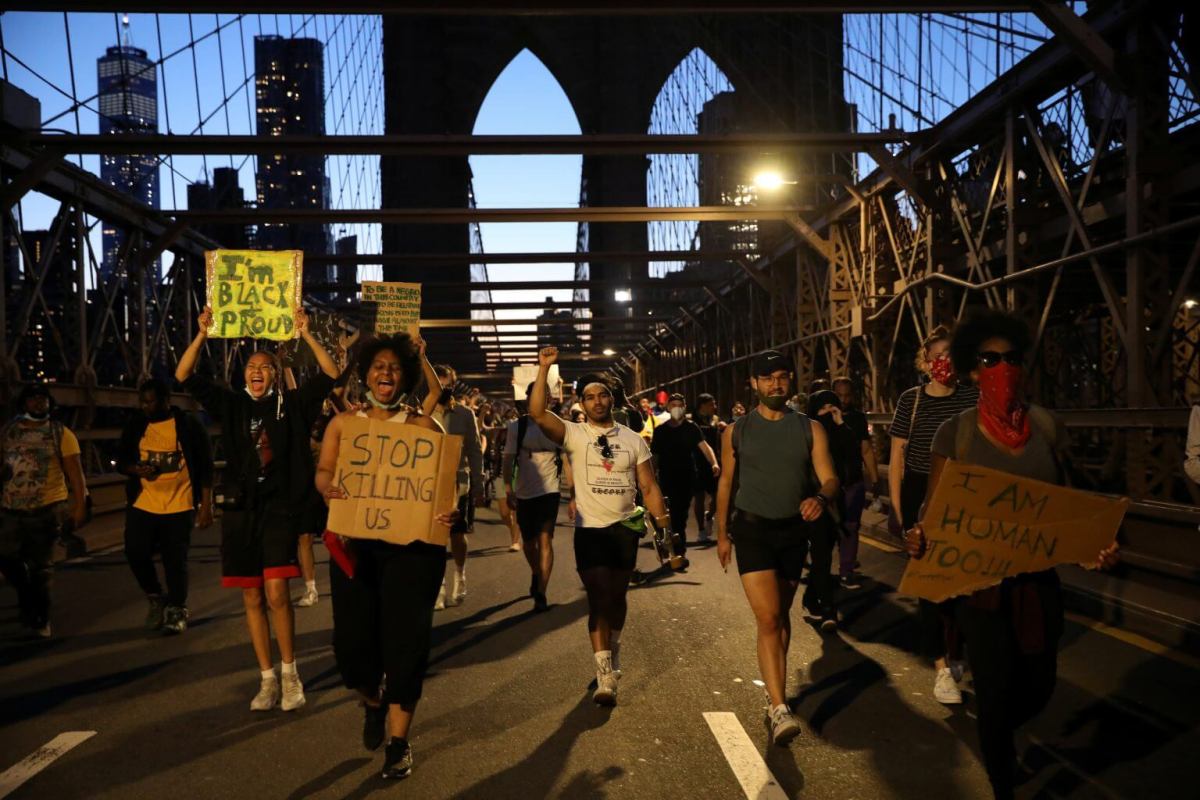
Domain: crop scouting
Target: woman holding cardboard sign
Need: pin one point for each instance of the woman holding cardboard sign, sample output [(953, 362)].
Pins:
[(1011, 629), (264, 430), (383, 593)]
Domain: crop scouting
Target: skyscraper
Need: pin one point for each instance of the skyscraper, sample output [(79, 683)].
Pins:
[(290, 94), (725, 178), (128, 95)]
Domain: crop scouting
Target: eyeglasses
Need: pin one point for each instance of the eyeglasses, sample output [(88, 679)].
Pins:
[(990, 358), (605, 448)]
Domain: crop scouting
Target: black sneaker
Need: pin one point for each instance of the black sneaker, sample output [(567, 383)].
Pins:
[(539, 602), (397, 760), (374, 721), (851, 581)]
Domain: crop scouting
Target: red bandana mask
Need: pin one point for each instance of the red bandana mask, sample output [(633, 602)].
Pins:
[(941, 369), (1000, 408)]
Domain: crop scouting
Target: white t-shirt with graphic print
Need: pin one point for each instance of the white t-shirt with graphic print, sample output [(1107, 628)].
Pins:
[(605, 488)]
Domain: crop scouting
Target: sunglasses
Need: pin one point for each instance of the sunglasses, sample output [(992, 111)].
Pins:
[(990, 358), (605, 449)]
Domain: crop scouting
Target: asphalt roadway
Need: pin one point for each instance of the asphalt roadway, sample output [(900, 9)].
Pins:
[(507, 712)]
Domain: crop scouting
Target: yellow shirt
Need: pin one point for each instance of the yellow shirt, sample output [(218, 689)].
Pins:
[(169, 492), (37, 477)]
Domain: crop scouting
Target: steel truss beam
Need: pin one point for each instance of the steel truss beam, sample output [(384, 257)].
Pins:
[(531, 7), (462, 216), (457, 145)]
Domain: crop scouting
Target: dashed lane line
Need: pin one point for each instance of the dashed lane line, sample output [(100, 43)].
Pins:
[(748, 766), (13, 777)]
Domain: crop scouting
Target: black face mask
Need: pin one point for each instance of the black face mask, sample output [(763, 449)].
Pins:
[(159, 416)]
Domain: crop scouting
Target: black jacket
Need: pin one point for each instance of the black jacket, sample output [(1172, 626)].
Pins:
[(193, 440), (288, 422)]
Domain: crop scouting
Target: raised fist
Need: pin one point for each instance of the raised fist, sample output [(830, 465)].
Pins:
[(547, 356), (205, 320)]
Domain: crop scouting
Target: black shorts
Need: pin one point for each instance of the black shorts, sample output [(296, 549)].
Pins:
[(466, 515), (537, 515), (257, 543), (614, 547), (770, 544), (706, 482)]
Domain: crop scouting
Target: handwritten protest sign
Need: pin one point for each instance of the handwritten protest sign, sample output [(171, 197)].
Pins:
[(983, 525), (396, 306), (525, 374), (396, 478), (254, 293)]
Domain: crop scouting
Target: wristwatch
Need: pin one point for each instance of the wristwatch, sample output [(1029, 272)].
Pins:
[(822, 499)]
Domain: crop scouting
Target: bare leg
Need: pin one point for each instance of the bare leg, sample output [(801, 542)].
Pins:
[(304, 552), (281, 614), (596, 581), (458, 549), (260, 631), (399, 719), (763, 591)]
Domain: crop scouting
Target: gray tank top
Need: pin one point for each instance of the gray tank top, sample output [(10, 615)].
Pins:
[(774, 464)]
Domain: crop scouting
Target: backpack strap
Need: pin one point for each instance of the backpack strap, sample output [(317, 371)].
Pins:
[(522, 429)]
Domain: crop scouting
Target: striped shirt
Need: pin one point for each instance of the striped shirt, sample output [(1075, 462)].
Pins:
[(931, 413)]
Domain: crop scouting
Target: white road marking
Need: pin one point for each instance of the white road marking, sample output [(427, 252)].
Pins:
[(39, 759), (748, 766)]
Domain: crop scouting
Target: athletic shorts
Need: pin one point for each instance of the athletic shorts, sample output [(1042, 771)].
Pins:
[(257, 543), (614, 547), (466, 515), (537, 515), (770, 544)]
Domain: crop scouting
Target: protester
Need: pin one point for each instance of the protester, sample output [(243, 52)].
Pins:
[(457, 419), (785, 484), (268, 471), (1012, 630), (862, 469), (39, 456), (166, 455), (737, 410), (705, 504), (383, 593), (649, 419), (624, 411), (675, 445), (919, 412), (537, 465), (609, 463)]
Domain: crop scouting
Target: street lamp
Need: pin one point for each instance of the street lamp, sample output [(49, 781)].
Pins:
[(770, 180), (608, 351)]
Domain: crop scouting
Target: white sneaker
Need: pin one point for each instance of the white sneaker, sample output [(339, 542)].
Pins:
[(515, 547), (293, 692), (267, 697), (944, 689), (459, 593), (308, 599), (440, 605), (606, 689), (784, 725)]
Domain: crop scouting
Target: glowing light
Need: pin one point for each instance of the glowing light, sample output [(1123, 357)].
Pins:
[(608, 351), (623, 296)]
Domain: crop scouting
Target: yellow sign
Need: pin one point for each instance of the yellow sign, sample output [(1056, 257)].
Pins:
[(983, 525), (397, 478), (397, 306), (254, 293)]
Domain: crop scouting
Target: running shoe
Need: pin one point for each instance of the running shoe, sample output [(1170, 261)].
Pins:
[(460, 590), (374, 722), (945, 691), (515, 547), (440, 604), (397, 760), (308, 599), (42, 631), (175, 619), (293, 692), (784, 725), (606, 689), (850, 581), (267, 697), (154, 614)]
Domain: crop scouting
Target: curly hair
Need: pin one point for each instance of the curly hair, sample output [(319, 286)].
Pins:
[(939, 334), (405, 349), (977, 328)]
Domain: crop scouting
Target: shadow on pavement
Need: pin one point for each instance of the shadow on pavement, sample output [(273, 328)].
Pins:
[(329, 778)]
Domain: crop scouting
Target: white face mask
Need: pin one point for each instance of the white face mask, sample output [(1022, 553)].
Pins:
[(676, 413)]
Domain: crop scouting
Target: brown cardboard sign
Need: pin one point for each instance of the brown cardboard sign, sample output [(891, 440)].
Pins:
[(396, 306), (397, 478), (983, 525)]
